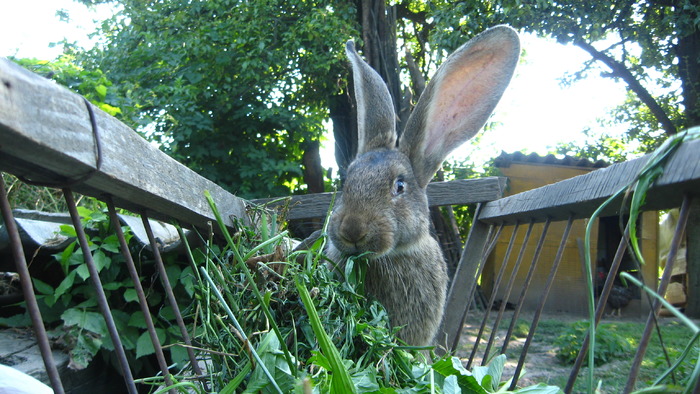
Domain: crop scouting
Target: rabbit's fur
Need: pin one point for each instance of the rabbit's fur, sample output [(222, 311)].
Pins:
[(384, 207)]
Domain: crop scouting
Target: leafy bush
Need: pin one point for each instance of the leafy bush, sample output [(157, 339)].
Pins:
[(609, 344), (69, 306)]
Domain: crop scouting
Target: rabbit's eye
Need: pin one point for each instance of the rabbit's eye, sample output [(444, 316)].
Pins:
[(399, 187)]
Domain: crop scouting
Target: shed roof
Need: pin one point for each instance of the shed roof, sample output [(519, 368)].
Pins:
[(506, 159)]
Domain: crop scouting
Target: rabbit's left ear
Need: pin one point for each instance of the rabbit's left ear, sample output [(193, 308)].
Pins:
[(376, 119), (459, 99)]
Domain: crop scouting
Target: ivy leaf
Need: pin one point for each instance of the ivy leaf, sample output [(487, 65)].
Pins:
[(130, 295), (91, 321), (144, 345), (42, 287)]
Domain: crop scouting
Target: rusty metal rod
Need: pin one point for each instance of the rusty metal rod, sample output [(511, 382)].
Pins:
[(543, 300), (600, 308), (663, 284), (99, 290), (486, 251), (28, 291), (171, 296), (526, 285), (494, 293), (506, 294), (131, 267)]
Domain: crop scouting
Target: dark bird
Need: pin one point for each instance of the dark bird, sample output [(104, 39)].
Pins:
[(619, 298)]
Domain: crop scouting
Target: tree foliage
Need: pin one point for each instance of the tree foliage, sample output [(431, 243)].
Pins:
[(650, 45), (236, 91)]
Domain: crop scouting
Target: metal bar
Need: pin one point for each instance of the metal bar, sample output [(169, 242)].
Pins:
[(169, 292), (600, 307), (101, 297), (526, 285), (663, 284), (485, 252), (131, 267), (494, 292), (543, 300), (28, 291), (506, 295)]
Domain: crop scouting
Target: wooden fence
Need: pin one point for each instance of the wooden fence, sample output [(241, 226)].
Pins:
[(51, 136)]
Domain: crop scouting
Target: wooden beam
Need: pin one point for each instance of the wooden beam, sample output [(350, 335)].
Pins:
[(458, 192), (46, 135), (580, 196)]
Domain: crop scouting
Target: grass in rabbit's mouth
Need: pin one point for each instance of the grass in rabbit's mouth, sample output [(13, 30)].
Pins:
[(263, 319)]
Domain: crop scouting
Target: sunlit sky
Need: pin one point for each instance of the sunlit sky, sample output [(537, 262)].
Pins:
[(535, 113)]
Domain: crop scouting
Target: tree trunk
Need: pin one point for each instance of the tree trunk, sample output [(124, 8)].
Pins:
[(313, 171), (692, 232), (687, 51)]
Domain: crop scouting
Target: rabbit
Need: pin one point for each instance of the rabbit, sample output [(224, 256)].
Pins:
[(383, 208)]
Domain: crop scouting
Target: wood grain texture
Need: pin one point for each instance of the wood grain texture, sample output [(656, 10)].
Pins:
[(580, 196), (46, 135), (458, 192)]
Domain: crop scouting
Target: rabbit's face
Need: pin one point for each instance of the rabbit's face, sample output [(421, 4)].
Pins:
[(382, 208)]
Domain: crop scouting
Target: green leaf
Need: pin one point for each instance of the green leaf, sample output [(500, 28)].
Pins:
[(452, 366), (173, 272), (539, 388), (144, 345), (83, 271), (137, 320), (340, 376), (85, 349), (65, 285), (21, 320), (179, 354), (451, 385), (111, 244), (101, 260), (85, 213), (130, 295), (101, 91), (91, 321), (42, 287), (69, 231)]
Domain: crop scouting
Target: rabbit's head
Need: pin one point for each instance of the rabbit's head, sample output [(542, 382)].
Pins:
[(384, 208)]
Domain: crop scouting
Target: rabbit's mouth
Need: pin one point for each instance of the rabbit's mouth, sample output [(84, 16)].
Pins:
[(371, 245)]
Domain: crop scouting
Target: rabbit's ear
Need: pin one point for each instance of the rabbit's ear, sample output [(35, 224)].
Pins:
[(376, 120), (459, 99)]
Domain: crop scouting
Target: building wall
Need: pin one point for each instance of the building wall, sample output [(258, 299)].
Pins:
[(568, 292)]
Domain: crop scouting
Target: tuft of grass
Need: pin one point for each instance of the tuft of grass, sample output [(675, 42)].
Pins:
[(611, 345)]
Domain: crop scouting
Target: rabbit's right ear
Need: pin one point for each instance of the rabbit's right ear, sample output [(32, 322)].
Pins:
[(376, 119), (459, 99)]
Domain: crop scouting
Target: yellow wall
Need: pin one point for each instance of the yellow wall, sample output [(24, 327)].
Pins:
[(568, 291)]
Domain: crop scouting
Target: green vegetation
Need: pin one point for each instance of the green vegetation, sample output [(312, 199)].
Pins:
[(69, 307), (611, 345)]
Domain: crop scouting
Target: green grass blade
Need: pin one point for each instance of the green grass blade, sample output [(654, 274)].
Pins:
[(242, 266), (239, 328), (341, 381)]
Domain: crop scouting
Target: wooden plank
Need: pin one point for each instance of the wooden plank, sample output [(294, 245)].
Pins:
[(46, 135), (458, 192), (462, 286), (580, 196)]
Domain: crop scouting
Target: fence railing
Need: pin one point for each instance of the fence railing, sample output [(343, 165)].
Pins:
[(51, 136)]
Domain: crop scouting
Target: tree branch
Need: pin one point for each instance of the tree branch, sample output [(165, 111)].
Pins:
[(621, 71)]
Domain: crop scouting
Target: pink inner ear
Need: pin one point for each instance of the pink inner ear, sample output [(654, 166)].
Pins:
[(463, 105)]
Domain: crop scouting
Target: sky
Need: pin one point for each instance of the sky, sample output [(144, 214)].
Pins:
[(534, 115)]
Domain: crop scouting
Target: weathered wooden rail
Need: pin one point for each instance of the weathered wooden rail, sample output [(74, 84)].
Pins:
[(50, 135)]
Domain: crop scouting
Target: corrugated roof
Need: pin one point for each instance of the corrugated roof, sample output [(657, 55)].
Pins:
[(506, 159)]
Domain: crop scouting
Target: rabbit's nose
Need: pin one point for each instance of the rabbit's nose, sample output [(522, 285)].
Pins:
[(353, 230)]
